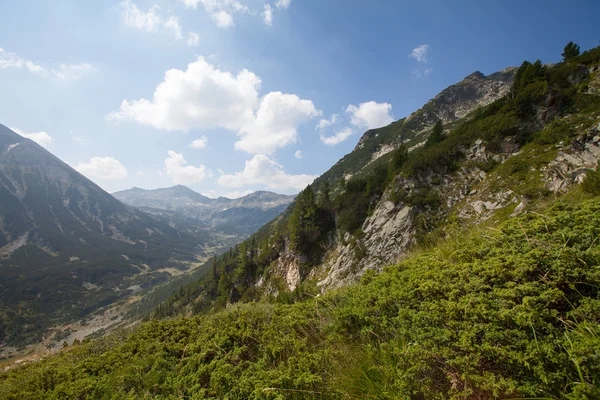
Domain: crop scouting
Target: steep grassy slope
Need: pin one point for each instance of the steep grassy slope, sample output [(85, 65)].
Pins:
[(508, 312)]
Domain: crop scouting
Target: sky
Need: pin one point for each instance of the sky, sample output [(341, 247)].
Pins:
[(232, 96)]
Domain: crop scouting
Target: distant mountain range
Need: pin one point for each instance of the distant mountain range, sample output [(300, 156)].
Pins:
[(68, 248), (240, 217)]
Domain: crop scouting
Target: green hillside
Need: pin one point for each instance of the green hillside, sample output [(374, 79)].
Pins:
[(509, 312)]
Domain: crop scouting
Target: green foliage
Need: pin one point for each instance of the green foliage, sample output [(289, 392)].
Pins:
[(436, 135), (512, 312), (591, 183), (571, 51)]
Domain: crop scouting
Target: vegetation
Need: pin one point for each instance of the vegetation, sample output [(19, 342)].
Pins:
[(571, 51), (512, 312)]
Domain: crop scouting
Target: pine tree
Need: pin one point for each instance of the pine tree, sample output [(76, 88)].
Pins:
[(436, 135), (324, 196), (571, 50), (399, 157), (303, 225)]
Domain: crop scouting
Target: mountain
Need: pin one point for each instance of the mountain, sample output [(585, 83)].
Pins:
[(507, 141), (240, 217), (68, 248), (464, 262)]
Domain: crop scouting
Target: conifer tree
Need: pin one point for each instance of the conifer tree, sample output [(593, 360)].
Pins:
[(571, 50), (436, 135)]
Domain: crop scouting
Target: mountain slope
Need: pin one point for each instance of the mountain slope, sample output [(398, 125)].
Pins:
[(67, 247), (453, 103), (529, 146), (239, 217), (468, 319)]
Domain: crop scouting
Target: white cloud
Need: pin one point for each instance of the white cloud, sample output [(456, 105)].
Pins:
[(63, 72), (298, 154), (276, 123), (370, 115), (236, 194), (193, 39), (337, 138), (283, 4), (199, 143), (149, 21), (139, 172), (201, 97), (191, 3), (204, 97), (261, 170), (41, 138), (173, 27), (72, 71), (421, 53), (326, 123), (223, 19), (220, 171), (180, 173), (153, 21), (102, 168), (268, 15)]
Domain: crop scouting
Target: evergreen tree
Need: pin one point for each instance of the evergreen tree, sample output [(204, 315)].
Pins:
[(437, 134), (324, 196), (572, 50), (303, 225), (399, 157)]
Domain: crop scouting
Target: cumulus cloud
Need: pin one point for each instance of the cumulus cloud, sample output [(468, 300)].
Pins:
[(337, 138), (261, 170), (201, 97), (63, 71), (268, 15), (370, 115), (204, 97), (41, 138), (199, 143), (276, 123), (193, 39), (181, 173), (283, 4), (298, 154), (102, 168)]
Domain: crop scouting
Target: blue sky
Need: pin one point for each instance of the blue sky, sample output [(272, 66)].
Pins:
[(230, 96)]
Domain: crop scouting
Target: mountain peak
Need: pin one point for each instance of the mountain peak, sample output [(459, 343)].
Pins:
[(476, 75)]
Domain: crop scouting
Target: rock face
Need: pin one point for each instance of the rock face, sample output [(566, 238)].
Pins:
[(572, 163), (240, 217), (458, 100), (470, 194), (61, 234)]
